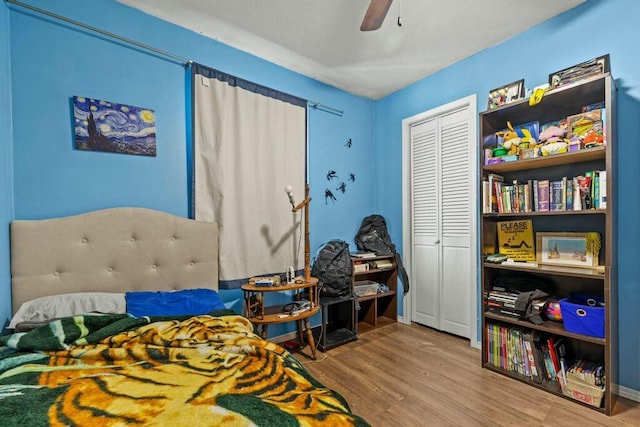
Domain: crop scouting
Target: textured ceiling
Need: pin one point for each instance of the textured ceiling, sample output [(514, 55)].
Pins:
[(322, 38)]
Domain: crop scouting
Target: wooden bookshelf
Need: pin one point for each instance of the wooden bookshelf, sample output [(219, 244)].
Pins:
[(601, 281)]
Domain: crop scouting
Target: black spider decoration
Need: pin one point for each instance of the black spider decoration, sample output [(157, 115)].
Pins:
[(348, 144), (352, 177), (331, 175), (342, 187), (329, 195)]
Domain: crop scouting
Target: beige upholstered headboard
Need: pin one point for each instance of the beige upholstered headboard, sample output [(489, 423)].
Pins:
[(111, 250)]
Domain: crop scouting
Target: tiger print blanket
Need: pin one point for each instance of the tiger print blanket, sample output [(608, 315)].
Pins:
[(116, 370)]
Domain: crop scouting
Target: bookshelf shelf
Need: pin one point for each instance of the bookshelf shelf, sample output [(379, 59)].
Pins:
[(548, 161), (545, 213), (500, 330), (379, 309), (548, 326), (586, 273)]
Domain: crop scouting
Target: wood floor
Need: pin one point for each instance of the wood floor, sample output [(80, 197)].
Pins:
[(402, 375)]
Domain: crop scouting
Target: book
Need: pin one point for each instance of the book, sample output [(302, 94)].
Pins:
[(555, 196), (529, 345), (552, 353), (486, 197), (596, 190), (495, 185), (543, 195), (515, 239), (602, 202), (564, 194), (538, 356), (548, 363), (364, 255)]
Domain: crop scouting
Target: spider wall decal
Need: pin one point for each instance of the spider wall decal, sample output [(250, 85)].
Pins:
[(332, 175), (348, 144), (342, 187), (328, 195), (352, 177)]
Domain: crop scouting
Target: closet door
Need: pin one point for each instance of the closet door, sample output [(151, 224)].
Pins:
[(425, 223), (455, 223), (441, 229)]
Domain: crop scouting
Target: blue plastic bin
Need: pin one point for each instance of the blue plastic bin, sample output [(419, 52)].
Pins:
[(583, 314)]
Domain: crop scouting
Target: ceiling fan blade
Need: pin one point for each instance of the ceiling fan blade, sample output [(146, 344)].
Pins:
[(375, 14)]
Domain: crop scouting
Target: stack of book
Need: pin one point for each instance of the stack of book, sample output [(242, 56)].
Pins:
[(502, 302)]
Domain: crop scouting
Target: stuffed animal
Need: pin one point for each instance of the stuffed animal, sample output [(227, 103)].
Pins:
[(552, 134), (510, 139), (553, 141)]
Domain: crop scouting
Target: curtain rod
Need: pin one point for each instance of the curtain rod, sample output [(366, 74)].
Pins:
[(312, 104), (98, 30), (325, 108)]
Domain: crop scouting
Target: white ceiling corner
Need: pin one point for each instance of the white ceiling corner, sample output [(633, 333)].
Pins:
[(322, 38)]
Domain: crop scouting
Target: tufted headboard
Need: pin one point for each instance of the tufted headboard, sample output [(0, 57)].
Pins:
[(111, 250)]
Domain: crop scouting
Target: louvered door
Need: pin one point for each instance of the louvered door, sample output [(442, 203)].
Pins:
[(441, 209)]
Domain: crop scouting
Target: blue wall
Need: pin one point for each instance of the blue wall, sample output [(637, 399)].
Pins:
[(6, 187), (52, 61), (590, 30)]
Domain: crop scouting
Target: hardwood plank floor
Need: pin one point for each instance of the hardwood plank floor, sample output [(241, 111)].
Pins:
[(410, 375)]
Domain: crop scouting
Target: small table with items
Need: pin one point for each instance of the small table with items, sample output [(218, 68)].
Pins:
[(260, 314)]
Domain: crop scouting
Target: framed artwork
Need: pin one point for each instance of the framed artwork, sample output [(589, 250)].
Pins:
[(580, 71), (568, 249), (117, 128), (506, 94)]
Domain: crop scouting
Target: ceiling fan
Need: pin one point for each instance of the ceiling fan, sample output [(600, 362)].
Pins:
[(375, 14)]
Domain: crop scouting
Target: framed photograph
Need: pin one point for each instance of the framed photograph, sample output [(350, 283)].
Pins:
[(506, 94), (568, 249), (580, 71)]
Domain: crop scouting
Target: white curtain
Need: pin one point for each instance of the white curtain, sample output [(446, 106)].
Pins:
[(249, 144)]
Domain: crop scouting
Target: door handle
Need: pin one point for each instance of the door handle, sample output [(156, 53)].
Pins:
[(437, 242)]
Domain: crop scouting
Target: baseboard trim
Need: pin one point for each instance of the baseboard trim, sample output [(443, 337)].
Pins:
[(629, 393), (284, 337)]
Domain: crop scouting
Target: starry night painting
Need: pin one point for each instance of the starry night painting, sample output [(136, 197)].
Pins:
[(117, 128)]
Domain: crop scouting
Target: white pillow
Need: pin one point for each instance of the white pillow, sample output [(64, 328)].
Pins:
[(63, 305)]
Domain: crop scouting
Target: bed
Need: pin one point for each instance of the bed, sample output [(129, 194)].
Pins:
[(158, 369)]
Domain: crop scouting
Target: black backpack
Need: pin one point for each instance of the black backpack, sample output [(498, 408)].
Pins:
[(374, 237), (332, 266)]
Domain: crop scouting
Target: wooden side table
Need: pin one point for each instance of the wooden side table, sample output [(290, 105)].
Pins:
[(260, 314)]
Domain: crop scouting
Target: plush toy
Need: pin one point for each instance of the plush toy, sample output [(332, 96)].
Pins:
[(554, 148), (552, 134), (528, 138), (553, 140), (510, 139)]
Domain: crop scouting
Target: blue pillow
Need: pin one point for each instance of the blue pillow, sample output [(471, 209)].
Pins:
[(173, 303)]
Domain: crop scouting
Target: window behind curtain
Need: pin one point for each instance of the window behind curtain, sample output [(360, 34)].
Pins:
[(249, 143)]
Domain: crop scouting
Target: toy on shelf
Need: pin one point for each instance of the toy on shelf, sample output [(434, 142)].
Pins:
[(553, 141), (510, 140)]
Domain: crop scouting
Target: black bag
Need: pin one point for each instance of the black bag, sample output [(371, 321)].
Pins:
[(374, 237), (332, 266)]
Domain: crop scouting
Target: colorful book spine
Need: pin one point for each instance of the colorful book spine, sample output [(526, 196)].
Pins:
[(543, 195), (555, 195), (596, 191), (603, 190)]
